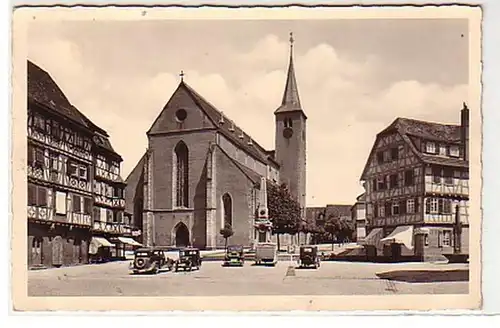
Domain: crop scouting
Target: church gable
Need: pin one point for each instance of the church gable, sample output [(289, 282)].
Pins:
[(181, 113)]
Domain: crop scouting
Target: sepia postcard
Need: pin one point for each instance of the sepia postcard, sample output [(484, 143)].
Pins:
[(246, 159)]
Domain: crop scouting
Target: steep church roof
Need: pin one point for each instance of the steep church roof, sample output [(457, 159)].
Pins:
[(291, 100)]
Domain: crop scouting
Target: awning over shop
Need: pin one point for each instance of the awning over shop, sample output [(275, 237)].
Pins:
[(401, 235), (97, 242), (373, 238), (129, 241)]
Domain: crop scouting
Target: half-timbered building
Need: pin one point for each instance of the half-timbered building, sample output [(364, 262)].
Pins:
[(416, 181), (62, 154)]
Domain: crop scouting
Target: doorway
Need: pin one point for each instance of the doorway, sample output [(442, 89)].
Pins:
[(181, 235)]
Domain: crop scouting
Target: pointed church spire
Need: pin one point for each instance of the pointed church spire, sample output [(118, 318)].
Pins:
[(291, 100)]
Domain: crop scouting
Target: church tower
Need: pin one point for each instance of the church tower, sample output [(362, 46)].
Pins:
[(290, 139)]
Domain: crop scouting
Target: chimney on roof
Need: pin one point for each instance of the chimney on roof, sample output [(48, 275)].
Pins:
[(231, 128), (464, 131)]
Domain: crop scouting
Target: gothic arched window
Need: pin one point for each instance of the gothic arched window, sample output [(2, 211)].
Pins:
[(228, 209), (181, 174)]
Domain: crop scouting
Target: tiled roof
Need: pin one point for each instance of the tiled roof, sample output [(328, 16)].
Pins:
[(44, 90), (251, 174), (449, 133), (312, 213), (338, 210), (133, 180), (214, 114)]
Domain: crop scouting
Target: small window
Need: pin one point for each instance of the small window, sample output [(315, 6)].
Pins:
[(426, 240), (387, 156), (72, 169), (409, 178), (445, 238), (83, 172), (380, 157), (454, 151), (54, 161), (410, 206), (448, 176), (87, 205), (77, 204), (60, 202), (32, 195), (381, 183), (394, 154), (436, 175), (181, 114), (381, 211), (431, 206), (42, 197), (443, 150), (393, 181), (39, 157), (395, 208), (430, 147)]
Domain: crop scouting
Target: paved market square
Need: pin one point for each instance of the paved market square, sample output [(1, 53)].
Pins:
[(332, 278)]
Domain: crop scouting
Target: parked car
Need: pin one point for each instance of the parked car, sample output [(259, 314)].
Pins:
[(266, 253), (308, 256), (150, 260), (234, 256), (189, 258)]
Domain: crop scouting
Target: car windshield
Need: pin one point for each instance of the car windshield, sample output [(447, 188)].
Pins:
[(234, 249), (142, 254), (307, 250)]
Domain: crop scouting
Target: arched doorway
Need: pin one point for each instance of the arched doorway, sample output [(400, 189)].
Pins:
[(181, 235)]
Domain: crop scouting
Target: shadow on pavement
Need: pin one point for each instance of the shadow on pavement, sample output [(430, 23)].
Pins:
[(426, 275)]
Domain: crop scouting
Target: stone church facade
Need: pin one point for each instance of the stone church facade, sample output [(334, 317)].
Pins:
[(202, 172)]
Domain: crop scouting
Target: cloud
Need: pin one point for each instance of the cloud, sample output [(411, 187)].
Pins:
[(345, 100)]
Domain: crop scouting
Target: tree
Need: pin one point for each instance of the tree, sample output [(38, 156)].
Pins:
[(339, 228), (226, 232), (284, 211)]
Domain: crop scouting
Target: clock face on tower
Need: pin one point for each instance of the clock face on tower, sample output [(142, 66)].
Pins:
[(287, 133)]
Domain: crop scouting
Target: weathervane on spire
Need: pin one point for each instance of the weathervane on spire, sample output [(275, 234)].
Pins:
[(291, 39), (182, 75)]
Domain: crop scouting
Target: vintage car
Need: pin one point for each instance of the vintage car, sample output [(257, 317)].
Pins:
[(150, 260), (189, 258), (308, 256), (234, 256), (266, 253)]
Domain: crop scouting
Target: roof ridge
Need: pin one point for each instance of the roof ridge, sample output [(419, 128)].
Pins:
[(194, 94)]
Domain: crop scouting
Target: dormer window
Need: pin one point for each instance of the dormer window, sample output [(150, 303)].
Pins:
[(430, 147), (454, 151)]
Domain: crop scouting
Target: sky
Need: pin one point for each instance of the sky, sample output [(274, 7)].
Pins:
[(354, 78)]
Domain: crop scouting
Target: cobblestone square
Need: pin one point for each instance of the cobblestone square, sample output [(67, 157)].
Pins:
[(332, 278)]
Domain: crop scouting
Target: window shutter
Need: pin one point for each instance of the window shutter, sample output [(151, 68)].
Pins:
[(42, 196), (374, 184), (375, 210), (402, 206), (440, 206), (427, 205), (32, 195)]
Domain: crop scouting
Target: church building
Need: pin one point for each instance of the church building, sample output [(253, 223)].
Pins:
[(201, 172)]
